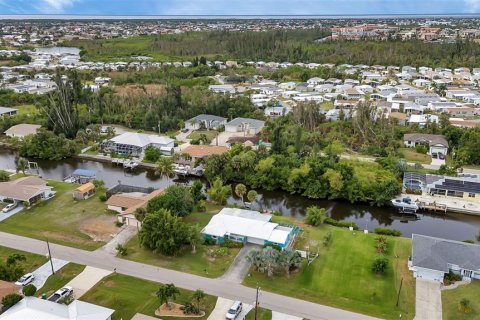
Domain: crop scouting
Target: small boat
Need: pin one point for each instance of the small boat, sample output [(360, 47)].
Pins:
[(130, 164), (180, 170), (405, 204)]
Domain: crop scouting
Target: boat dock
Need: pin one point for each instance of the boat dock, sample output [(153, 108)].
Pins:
[(442, 205)]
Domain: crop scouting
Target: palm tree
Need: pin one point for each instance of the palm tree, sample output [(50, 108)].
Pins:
[(199, 297), (167, 292), (194, 237), (21, 165), (240, 191), (164, 167), (252, 196)]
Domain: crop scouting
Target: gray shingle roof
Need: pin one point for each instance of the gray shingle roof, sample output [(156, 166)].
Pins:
[(436, 253), (430, 138)]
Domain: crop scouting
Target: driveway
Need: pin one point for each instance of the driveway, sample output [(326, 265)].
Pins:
[(86, 280), (45, 271), (224, 136), (428, 304), (7, 215), (283, 316), (127, 233), (222, 307), (240, 266)]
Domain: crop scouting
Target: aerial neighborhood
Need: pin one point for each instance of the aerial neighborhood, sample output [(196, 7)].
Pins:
[(229, 167)]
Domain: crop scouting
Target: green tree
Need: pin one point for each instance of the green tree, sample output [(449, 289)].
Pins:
[(4, 176), (163, 232), (219, 192), (14, 258), (164, 167), (380, 265), (21, 164), (140, 214), (166, 293), (315, 216), (252, 196), (199, 297), (175, 198), (10, 300), (194, 237), (152, 154), (196, 191), (289, 260), (240, 191), (29, 290)]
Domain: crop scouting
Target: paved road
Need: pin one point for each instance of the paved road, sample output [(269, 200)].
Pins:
[(217, 287)]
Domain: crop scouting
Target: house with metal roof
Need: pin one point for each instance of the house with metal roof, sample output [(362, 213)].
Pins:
[(432, 258), (134, 144), (247, 125), (205, 120), (248, 226), (7, 112)]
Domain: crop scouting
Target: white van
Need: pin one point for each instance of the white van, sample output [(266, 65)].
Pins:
[(234, 311)]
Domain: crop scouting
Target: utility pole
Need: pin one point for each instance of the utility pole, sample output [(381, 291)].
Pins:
[(50, 257), (256, 302)]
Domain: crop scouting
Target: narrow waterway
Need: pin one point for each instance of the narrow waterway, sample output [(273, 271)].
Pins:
[(452, 225)]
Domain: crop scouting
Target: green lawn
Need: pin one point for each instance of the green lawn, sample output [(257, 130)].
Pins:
[(262, 314), (60, 278), (342, 277), (27, 110), (199, 263), (413, 156), (128, 296), (211, 134), (451, 298), (64, 220), (33, 261)]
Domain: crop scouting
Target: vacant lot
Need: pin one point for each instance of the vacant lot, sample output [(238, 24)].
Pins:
[(451, 300), (64, 220), (133, 89), (202, 262), (128, 296), (342, 274), (32, 262), (413, 156)]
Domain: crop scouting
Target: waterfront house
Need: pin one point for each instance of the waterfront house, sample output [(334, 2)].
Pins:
[(206, 121), (27, 189), (22, 130), (434, 142), (432, 258), (247, 226), (192, 153), (40, 309), (84, 192), (134, 144)]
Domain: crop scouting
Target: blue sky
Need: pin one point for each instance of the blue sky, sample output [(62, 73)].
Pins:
[(237, 7)]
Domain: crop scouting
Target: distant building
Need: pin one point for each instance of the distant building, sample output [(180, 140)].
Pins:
[(132, 143), (206, 121), (432, 258), (434, 142), (222, 88), (7, 112), (249, 126), (22, 130)]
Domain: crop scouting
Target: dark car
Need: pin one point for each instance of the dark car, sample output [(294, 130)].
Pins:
[(441, 156)]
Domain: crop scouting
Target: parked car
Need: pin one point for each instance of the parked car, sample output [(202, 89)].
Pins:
[(184, 130), (234, 311), (434, 155), (26, 279), (61, 293), (9, 207), (441, 156)]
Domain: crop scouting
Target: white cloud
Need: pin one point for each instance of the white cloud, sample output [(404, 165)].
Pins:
[(473, 5), (54, 6)]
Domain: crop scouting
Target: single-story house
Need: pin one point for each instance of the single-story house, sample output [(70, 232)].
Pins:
[(248, 226), (85, 191), (222, 88), (133, 143), (432, 258), (22, 130), (206, 120), (27, 189), (435, 143), (126, 204), (249, 126), (193, 153), (7, 112), (40, 309)]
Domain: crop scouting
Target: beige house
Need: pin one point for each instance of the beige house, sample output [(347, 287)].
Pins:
[(22, 130), (27, 189), (84, 192), (193, 153)]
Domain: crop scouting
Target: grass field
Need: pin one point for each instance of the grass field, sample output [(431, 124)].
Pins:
[(28, 110), (128, 296), (413, 156), (33, 260), (211, 134), (451, 298), (200, 263), (63, 220), (262, 314), (342, 276), (60, 279)]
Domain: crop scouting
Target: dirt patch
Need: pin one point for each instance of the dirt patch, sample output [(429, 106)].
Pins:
[(175, 311), (100, 228), (135, 89), (64, 237)]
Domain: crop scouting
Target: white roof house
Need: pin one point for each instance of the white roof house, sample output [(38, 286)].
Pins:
[(39, 309), (135, 143), (247, 226)]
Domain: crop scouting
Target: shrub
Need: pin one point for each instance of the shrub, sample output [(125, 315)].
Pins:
[(327, 239), (209, 242), (202, 206), (11, 300), (379, 265), (468, 241), (315, 216), (190, 308), (388, 232), (103, 197), (464, 306), (233, 244), (450, 278), (121, 250), (276, 213), (219, 252), (341, 224), (118, 224), (381, 247), (29, 290), (421, 149)]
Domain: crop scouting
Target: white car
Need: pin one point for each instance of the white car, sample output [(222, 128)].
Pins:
[(234, 311), (26, 279), (9, 207), (61, 293)]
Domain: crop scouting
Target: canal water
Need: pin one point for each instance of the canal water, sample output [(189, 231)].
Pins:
[(451, 226)]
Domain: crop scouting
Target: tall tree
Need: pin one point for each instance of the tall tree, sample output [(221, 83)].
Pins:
[(240, 191), (167, 292), (164, 167)]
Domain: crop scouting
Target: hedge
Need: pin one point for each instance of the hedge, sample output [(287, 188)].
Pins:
[(341, 224), (388, 232)]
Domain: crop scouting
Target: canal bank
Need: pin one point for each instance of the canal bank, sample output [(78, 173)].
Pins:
[(454, 226)]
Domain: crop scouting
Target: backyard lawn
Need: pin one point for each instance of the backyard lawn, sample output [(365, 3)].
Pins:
[(33, 261), (64, 220), (451, 299), (342, 274), (60, 278), (27, 109), (413, 156), (201, 263), (128, 296)]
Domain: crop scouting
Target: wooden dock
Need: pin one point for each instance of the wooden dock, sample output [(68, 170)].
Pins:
[(433, 206)]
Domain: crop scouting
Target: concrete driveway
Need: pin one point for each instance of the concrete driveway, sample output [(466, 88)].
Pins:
[(240, 266), (127, 233), (7, 215), (283, 316), (222, 307), (45, 271), (86, 280), (428, 304)]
